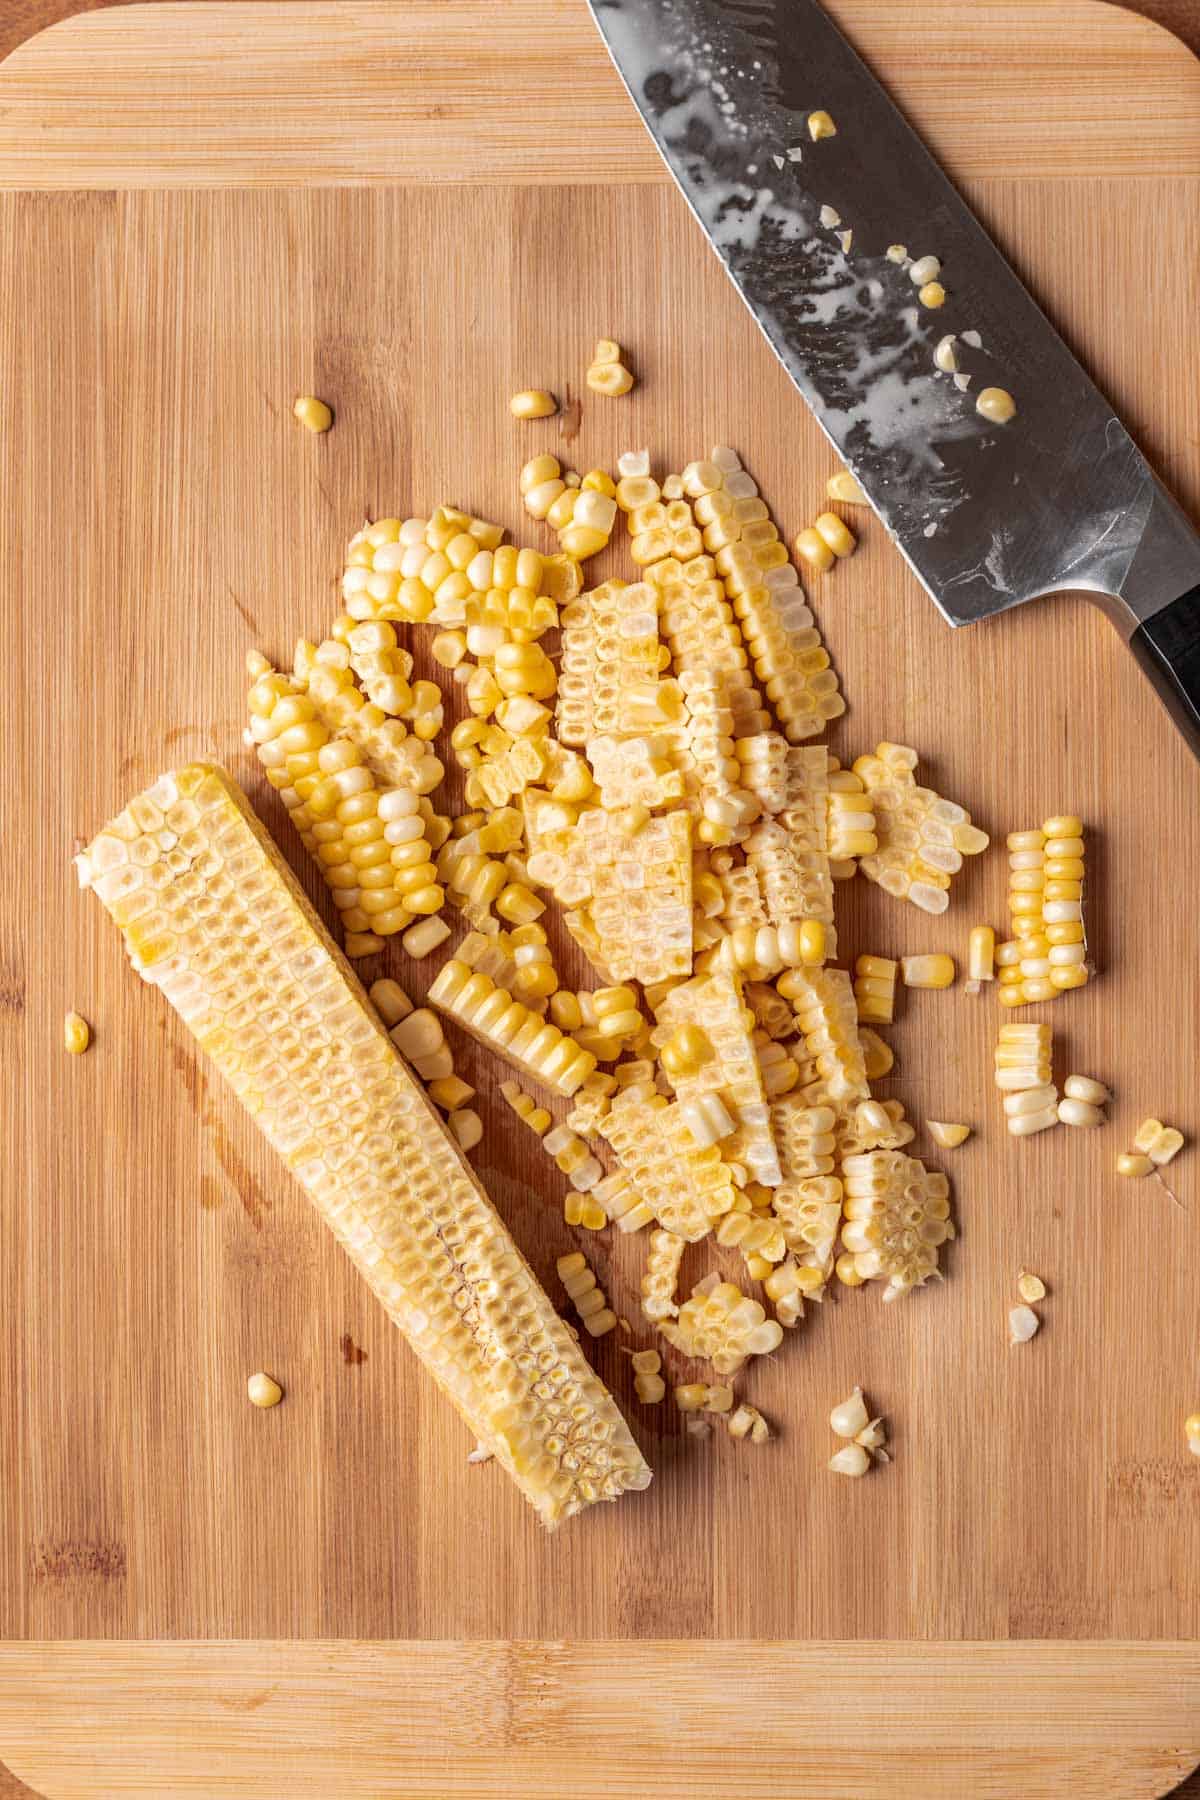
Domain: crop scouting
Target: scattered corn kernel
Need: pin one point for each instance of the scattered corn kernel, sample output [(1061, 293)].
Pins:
[(835, 533), (466, 1128), (312, 413), (812, 548), (996, 405), (1134, 1166), (981, 957), (845, 489), (851, 1459), (1191, 1430), (933, 294), (450, 1093), (261, 1389), (1023, 1324), (948, 1136), (850, 1416), (820, 125), (77, 1033), (390, 1001), (936, 971), (1079, 1113), (423, 938), (747, 1421), (1158, 1141), (1030, 1287), (532, 403)]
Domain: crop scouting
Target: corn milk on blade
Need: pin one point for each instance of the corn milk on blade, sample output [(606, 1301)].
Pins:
[(213, 917)]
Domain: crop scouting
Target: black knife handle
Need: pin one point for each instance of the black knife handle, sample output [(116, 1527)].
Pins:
[(1168, 648)]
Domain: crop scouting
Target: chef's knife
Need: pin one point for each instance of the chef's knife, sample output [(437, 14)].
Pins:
[(987, 515)]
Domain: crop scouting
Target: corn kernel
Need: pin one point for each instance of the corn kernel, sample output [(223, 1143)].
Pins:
[(812, 548), (933, 294), (844, 488), (981, 954), (1135, 1166), (948, 1136), (611, 378), (836, 534), (532, 403), (936, 971), (820, 125), (996, 405), (312, 413), (77, 1034)]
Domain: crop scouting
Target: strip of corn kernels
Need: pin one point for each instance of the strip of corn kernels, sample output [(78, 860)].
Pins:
[(723, 1326), (609, 679), (823, 1000), (897, 1213), (713, 1005), (922, 838), (219, 924), (764, 589), (503, 1024), (687, 1189)]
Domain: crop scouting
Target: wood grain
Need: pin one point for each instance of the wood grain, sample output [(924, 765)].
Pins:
[(516, 1721), (163, 514), (341, 92)]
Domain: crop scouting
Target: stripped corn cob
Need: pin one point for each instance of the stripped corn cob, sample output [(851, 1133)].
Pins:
[(611, 663), (213, 917)]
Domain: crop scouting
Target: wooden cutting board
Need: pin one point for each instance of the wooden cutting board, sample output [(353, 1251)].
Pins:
[(412, 209)]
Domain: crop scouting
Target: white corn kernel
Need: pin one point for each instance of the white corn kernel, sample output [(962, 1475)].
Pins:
[(1023, 1324), (852, 1460), (1026, 1124), (850, 1416), (1079, 1113), (1082, 1087), (943, 355), (925, 269)]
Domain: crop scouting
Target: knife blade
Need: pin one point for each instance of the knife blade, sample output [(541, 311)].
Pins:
[(987, 516)]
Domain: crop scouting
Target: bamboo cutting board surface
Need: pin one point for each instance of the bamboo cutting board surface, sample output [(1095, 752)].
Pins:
[(163, 514)]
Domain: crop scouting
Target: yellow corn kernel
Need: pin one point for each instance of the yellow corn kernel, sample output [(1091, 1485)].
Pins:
[(607, 351), (836, 534), (532, 403), (611, 378), (519, 904), (820, 125), (1136, 1166), (844, 488), (466, 1128), (599, 481), (312, 413), (448, 649), (996, 405), (690, 1396), (686, 1051), (948, 1136), (936, 971), (812, 548), (261, 1389), (981, 954), (932, 294), (450, 1093), (566, 1011), (878, 1057), (846, 1270), (77, 1033), (812, 942)]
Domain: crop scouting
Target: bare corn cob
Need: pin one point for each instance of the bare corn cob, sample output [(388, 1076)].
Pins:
[(686, 1188), (212, 916), (720, 1061)]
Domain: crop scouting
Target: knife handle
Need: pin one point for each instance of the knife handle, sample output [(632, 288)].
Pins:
[(1168, 647)]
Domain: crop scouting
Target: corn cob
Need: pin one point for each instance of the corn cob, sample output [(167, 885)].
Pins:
[(212, 916)]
